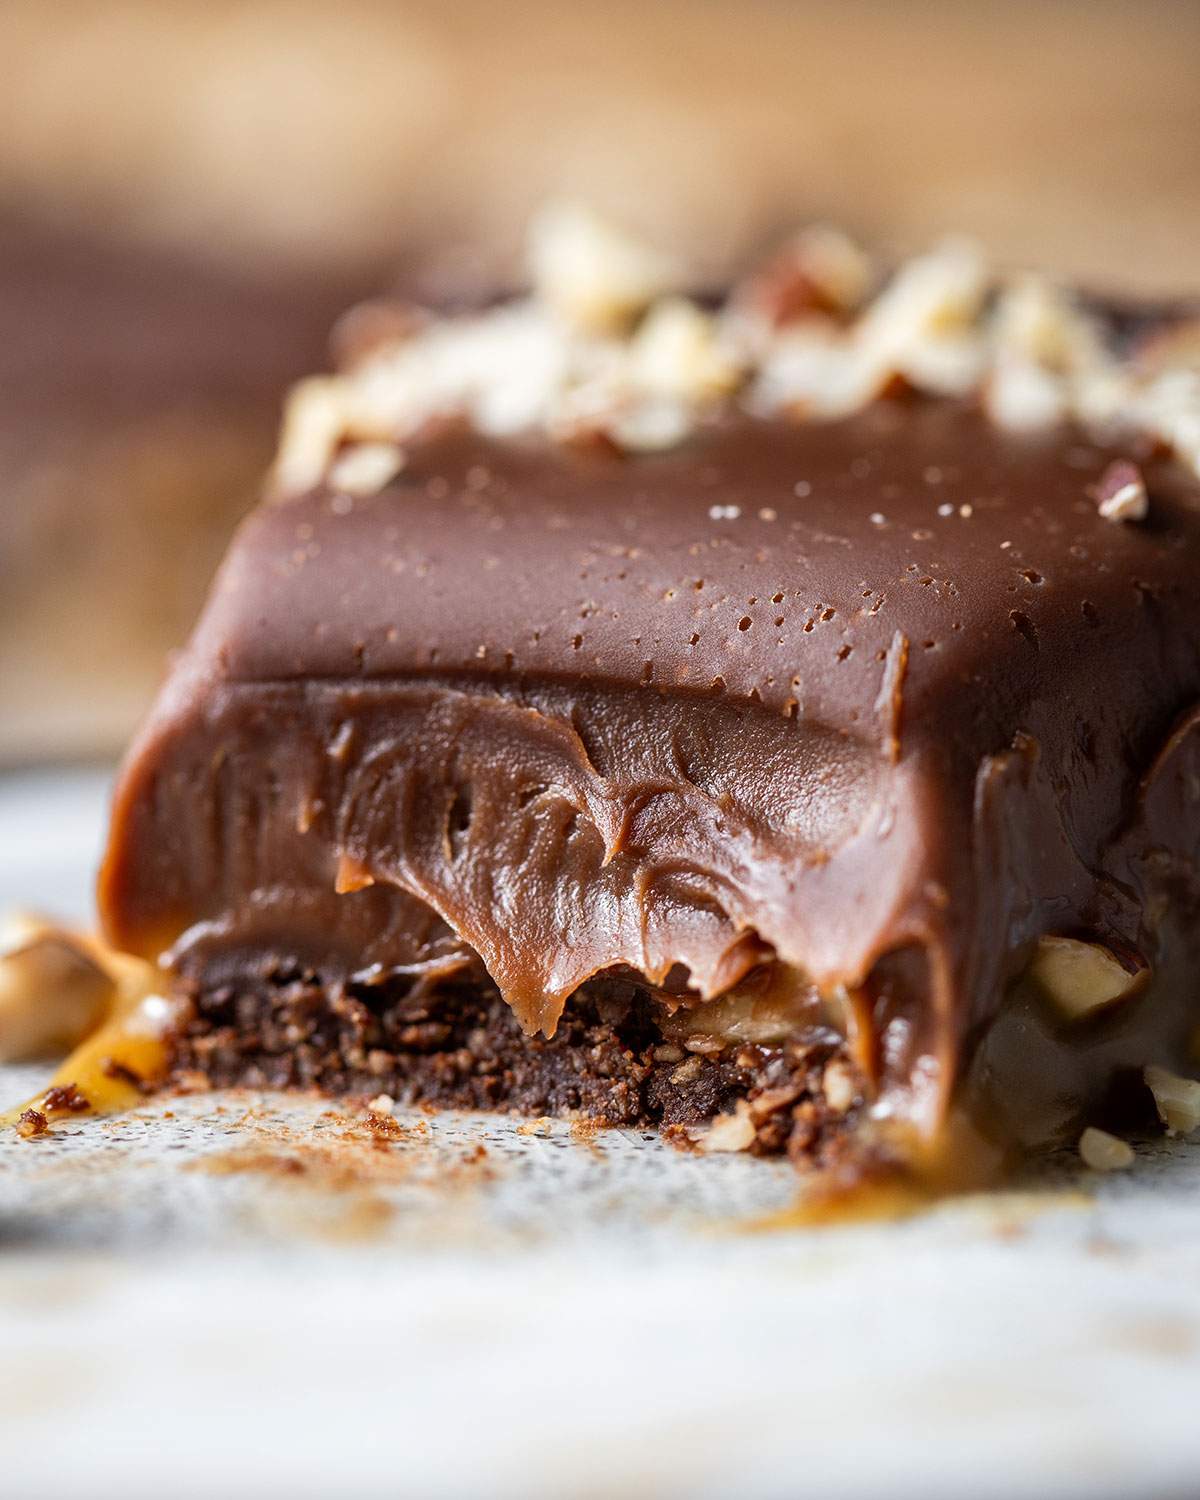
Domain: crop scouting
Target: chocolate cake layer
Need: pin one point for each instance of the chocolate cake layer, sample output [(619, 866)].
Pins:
[(827, 723)]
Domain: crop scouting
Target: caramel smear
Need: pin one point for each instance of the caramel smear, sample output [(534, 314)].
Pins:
[(60, 990), (906, 1174)]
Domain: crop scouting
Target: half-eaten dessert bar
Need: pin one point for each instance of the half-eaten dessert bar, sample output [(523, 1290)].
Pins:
[(774, 717)]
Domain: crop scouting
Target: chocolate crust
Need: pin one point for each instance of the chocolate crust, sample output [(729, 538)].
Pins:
[(461, 1047)]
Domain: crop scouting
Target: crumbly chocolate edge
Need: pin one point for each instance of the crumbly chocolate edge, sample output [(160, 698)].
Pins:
[(461, 1047)]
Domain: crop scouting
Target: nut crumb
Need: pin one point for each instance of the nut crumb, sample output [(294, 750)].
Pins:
[(1103, 1152), (65, 1098), (1080, 977), (819, 272), (1176, 1098), (595, 275), (838, 1086), (687, 1071), (1121, 492), (32, 1123), (763, 1105), (364, 469), (733, 1132), (384, 1127)]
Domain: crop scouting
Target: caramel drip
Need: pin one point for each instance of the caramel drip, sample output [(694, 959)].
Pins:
[(111, 1069)]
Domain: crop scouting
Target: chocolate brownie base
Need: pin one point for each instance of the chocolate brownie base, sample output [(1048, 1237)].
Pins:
[(461, 1047)]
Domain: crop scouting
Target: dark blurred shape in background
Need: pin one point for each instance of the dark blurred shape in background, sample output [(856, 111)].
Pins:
[(189, 191)]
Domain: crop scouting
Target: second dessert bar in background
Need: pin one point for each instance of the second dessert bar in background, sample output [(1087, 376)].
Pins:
[(777, 721)]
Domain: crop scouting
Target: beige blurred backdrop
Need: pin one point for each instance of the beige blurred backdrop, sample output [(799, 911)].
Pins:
[(189, 190)]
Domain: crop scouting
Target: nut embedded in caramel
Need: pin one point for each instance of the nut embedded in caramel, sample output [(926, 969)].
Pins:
[(1080, 978), (1176, 1098)]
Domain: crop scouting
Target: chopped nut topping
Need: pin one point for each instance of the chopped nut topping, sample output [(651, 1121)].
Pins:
[(1042, 325), (677, 353), (606, 349), (1020, 395), (1079, 977), (819, 272), (734, 1132), (362, 330), (933, 297), (1177, 1099), (1121, 493), (651, 427), (593, 274), (365, 468), (1104, 1152), (314, 424)]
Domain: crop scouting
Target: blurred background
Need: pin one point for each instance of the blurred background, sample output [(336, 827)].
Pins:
[(190, 190)]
